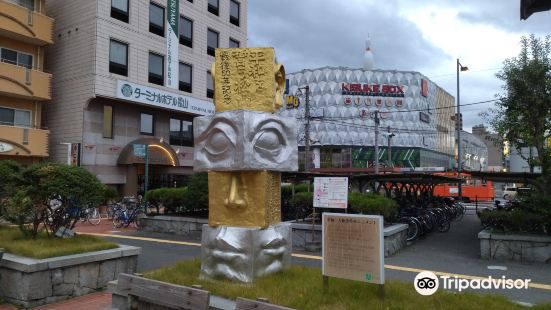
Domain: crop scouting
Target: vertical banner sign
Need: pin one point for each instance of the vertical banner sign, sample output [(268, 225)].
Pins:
[(172, 19)]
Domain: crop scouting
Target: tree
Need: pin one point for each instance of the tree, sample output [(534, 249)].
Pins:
[(197, 194), (29, 205), (523, 112)]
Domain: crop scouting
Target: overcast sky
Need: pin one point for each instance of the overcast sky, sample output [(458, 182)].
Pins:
[(425, 36)]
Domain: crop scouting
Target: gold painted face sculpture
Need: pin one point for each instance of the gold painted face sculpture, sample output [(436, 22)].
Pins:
[(244, 145), (247, 78)]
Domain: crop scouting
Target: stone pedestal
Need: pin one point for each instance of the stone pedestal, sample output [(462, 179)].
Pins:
[(243, 254)]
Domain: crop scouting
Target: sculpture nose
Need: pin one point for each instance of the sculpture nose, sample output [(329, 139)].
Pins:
[(236, 194)]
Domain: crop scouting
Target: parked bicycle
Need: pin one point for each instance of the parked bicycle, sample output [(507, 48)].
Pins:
[(126, 216)]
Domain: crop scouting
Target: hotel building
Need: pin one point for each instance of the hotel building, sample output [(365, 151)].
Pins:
[(130, 76)]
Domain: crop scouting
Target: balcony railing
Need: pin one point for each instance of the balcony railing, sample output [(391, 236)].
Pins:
[(25, 141), (21, 82), (25, 25)]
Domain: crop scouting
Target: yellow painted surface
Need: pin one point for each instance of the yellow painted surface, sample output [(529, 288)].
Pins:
[(25, 142), (244, 198), (247, 78), (17, 81), (15, 22)]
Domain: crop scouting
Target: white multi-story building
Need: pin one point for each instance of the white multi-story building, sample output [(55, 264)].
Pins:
[(120, 88)]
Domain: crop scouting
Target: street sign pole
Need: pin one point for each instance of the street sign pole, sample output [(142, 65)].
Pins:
[(146, 168)]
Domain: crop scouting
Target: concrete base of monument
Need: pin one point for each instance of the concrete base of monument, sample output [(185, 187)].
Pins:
[(243, 254)]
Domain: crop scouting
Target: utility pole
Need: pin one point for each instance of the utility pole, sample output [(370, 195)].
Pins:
[(390, 135), (377, 142), (307, 130)]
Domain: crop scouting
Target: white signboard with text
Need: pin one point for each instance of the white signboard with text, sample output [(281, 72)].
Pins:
[(353, 247), (172, 43), (163, 99), (331, 192)]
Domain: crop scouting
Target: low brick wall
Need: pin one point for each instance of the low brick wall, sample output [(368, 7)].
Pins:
[(515, 247), (31, 282), (173, 225), (395, 236)]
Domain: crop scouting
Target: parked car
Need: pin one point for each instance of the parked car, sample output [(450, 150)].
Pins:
[(509, 192)]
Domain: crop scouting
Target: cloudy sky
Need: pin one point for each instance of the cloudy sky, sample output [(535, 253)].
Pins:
[(425, 36)]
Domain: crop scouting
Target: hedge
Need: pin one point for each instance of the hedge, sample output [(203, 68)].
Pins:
[(373, 204)]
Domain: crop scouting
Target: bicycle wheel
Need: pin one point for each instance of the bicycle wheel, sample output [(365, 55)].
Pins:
[(118, 218), (413, 229), (443, 225), (138, 215), (93, 216)]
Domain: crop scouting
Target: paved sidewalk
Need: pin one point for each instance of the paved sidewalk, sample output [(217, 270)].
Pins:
[(104, 227), (94, 301)]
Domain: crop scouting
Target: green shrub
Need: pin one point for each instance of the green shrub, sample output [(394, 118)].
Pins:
[(287, 192), (303, 203), (517, 220), (10, 175), (173, 199), (29, 203), (373, 204), (197, 196), (110, 194)]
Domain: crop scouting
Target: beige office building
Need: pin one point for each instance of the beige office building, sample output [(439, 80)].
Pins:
[(127, 80), (24, 86)]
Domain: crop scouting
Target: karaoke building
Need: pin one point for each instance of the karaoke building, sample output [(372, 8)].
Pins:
[(415, 114)]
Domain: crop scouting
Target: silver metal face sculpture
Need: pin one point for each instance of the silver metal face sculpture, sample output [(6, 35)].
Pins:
[(242, 254), (245, 140)]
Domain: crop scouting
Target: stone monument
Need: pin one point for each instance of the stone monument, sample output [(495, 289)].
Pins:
[(244, 147)]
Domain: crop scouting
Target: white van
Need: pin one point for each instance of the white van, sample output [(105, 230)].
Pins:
[(509, 192)]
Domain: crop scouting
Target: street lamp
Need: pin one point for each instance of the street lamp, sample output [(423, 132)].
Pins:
[(306, 126), (459, 67)]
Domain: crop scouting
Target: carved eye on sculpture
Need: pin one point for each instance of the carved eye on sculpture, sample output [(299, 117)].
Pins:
[(219, 140), (269, 141)]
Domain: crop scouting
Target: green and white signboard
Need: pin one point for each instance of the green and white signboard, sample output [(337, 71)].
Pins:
[(172, 19)]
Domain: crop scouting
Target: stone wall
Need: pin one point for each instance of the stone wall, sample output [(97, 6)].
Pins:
[(395, 236), (33, 282), (173, 225), (515, 247)]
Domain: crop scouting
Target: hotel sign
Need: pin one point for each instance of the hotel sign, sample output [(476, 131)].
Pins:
[(163, 99), (172, 43)]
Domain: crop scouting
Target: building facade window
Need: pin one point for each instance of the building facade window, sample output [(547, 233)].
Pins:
[(156, 69), (210, 85), (147, 124), (212, 41), (234, 43), (118, 57), (16, 58), (234, 12), (186, 32), (119, 10), (108, 121), (213, 7), (29, 4), (156, 19), (15, 117), (185, 82), (181, 132)]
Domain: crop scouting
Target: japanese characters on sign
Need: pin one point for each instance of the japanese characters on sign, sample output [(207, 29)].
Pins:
[(244, 79), (160, 98), (353, 247), (331, 193), (172, 43)]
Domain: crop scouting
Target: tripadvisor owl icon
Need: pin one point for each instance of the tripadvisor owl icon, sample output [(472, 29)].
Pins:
[(126, 90)]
